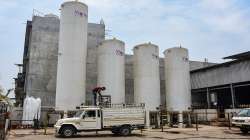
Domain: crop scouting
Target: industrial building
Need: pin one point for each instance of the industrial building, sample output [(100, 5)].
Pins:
[(38, 77), (213, 86), (224, 86)]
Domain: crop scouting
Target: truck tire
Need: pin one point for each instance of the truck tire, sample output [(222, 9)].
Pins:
[(68, 131), (125, 131), (115, 132), (244, 130)]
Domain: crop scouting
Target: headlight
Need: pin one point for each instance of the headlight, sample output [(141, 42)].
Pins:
[(247, 120), (59, 122)]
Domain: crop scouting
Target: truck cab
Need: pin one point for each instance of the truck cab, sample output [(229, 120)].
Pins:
[(242, 120)]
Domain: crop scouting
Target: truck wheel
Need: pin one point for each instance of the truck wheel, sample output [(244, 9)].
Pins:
[(125, 131), (244, 130), (115, 132), (68, 131)]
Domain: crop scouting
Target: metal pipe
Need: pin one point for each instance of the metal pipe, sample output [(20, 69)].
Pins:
[(180, 119), (232, 95), (208, 99), (196, 121), (229, 122)]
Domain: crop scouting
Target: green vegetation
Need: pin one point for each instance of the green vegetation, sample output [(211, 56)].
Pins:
[(4, 98)]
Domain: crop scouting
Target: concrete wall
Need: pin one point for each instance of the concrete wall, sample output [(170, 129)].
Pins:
[(228, 73), (42, 59), (96, 34), (129, 80)]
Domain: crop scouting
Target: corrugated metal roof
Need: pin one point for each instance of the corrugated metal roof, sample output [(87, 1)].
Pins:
[(239, 56), (236, 58)]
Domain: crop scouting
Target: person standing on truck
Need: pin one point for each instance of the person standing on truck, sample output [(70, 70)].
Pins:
[(96, 91)]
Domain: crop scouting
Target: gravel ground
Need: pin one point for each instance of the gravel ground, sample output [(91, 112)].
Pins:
[(204, 133)]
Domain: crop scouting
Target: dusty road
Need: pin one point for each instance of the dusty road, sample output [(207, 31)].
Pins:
[(204, 133)]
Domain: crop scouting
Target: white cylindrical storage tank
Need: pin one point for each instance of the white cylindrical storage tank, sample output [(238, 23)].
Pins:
[(111, 69), (177, 75), (72, 52), (147, 75)]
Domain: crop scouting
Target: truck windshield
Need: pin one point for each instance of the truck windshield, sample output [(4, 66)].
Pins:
[(78, 114), (244, 113)]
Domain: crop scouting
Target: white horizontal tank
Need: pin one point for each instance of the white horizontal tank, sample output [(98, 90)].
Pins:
[(72, 51), (146, 75), (177, 75), (111, 69)]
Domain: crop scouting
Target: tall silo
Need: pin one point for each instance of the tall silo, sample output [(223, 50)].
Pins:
[(111, 69), (72, 51), (147, 77), (177, 75)]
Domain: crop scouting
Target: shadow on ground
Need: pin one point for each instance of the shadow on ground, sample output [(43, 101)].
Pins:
[(102, 135)]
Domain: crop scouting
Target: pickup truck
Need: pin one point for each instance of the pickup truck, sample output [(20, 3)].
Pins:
[(242, 120), (119, 120)]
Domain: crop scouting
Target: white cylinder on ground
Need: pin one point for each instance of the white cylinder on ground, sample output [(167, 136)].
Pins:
[(177, 75), (147, 76), (111, 69), (72, 52)]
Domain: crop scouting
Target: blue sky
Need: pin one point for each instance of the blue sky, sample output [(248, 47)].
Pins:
[(208, 28)]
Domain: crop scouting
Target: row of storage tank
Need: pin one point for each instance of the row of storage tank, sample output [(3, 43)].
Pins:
[(111, 74), (71, 71)]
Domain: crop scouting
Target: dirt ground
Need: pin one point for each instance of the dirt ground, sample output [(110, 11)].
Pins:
[(204, 133)]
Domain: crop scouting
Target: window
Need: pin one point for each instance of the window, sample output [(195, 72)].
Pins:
[(90, 113), (244, 113), (78, 114)]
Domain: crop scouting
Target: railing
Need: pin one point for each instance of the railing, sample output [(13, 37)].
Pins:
[(142, 105), (194, 119), (15, 124)]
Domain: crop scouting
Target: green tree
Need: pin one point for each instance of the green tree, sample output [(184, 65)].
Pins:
[(1, 93), (4, 98)]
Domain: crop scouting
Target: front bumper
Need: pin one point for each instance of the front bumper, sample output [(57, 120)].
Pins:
[(57, 128), (239, 124), (236, 124)]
